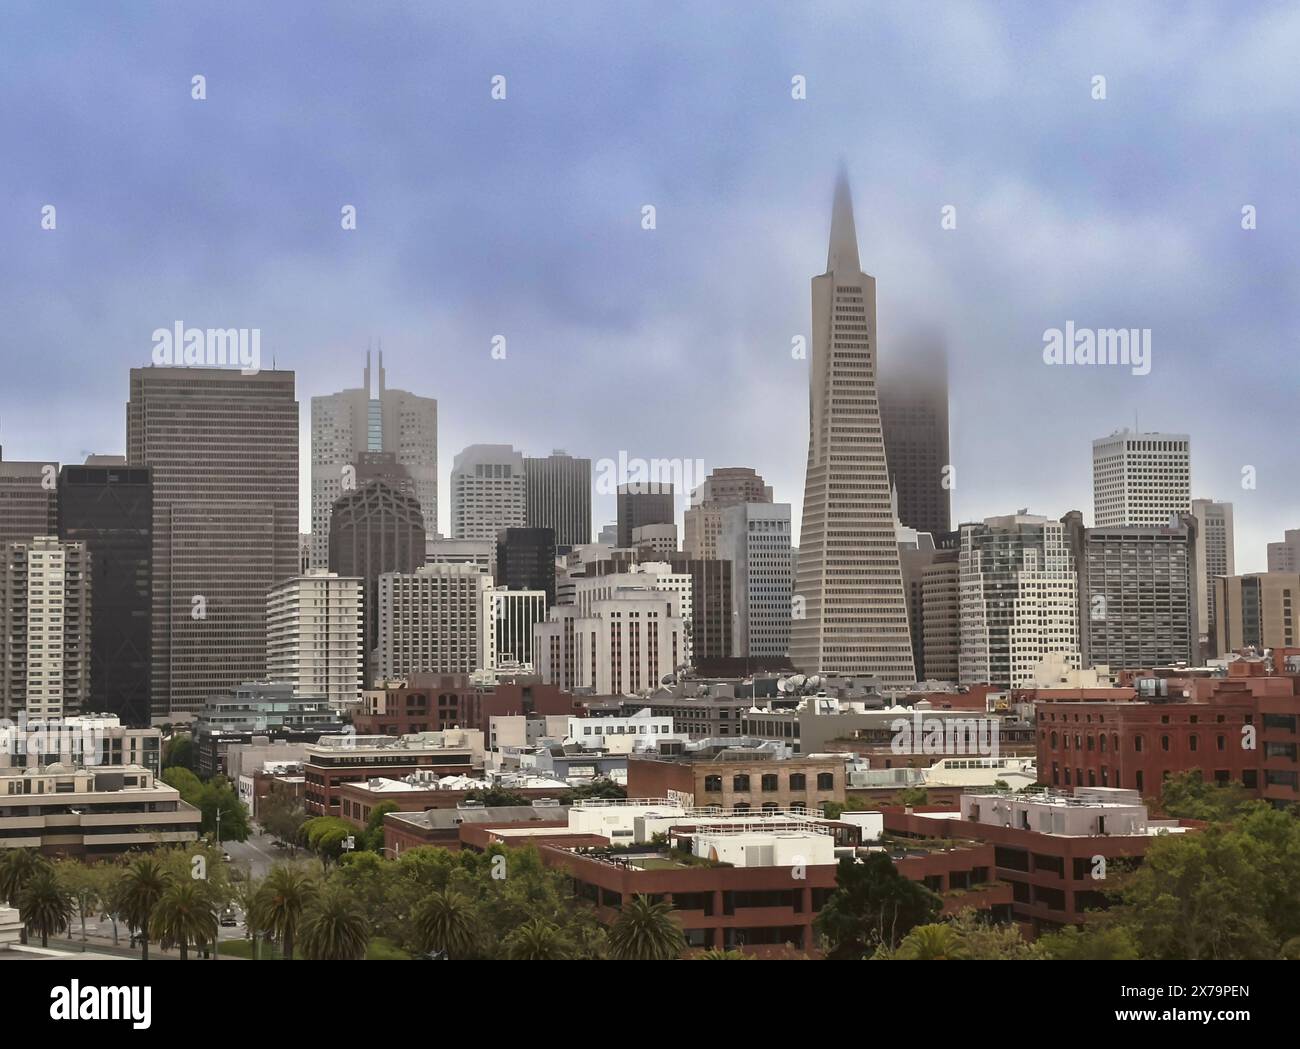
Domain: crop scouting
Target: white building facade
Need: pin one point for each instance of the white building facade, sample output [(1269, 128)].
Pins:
[(488, 491), (756, 540), (313, 636), (1019, 599), (430, 620), (1140, 478), (627, 644)]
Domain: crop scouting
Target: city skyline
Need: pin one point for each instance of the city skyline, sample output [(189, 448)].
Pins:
[(436, 269)]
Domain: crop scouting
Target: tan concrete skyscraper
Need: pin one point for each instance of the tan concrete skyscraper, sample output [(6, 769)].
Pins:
[(852, 618), (223, 449)]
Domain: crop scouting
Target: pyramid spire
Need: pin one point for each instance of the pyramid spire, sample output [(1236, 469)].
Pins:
[(843, 254)]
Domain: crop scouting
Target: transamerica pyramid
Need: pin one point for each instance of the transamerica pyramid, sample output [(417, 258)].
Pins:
[(854, 616)]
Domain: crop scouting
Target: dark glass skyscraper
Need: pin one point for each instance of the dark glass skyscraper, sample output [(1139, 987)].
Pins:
[(914, 418), (643, 503), (27, 500), (222, 448), (374, 529), (559, 497), (526, 560), (110, 510)]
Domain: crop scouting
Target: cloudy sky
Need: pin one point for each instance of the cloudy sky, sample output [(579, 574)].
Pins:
[(522, 217)]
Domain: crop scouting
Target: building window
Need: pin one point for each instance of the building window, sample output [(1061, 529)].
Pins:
[(740, 782), (825, 781), (798, 781), (770, 782)]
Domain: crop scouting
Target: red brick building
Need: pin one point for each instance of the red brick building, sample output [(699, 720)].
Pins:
[(740, 785), (761, 909), (1052, 876), (436, 702), (1233, 737), (327, 767)]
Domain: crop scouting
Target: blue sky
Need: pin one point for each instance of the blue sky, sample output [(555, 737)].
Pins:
[(522, 217)]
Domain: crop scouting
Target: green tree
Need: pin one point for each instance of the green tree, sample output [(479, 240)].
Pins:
[(334, 927), (984, 940), (873, 905), (219, 797), (179, 752), (445, 923), (598, 789), (495, 797), (1203, 895), (44, 905), (282, 815), (832, 810), (372, 838), (284, 897), (326, 835), (537, 941), (84, 883), (185, 914), (141, 887), (1091, 943), (930, 943), (910, 797), (17, 868), (184, 780), (717, 954), (248, 894), (1188, 795), (646, 931)]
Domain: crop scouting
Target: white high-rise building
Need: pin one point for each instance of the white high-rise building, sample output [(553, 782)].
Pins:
[(45, 614), (1140, 479), (313, 636), (488, 491), (755, 538), (1215, 556), (346, 424), (854, 614), (656, 540), (508, 620), (480, 552), (430, 620), (1019, 599), (627, 645)]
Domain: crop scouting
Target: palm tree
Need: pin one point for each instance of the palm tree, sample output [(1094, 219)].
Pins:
[(537, 941), (17, 866), (334, 927), (185, 914), (44, 905), (444, 922), (140, 889), (930, 943), (283, 897), (646, 931), (248, 894)]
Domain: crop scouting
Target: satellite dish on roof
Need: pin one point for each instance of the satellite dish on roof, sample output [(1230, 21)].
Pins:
[(814, 681), (782, 685), (669, 679), (797, 681)]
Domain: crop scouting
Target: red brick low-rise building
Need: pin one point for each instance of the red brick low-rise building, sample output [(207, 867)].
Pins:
[(437, 702), (738, 783), (1235, 736), (1054, 851), (763, 903)]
